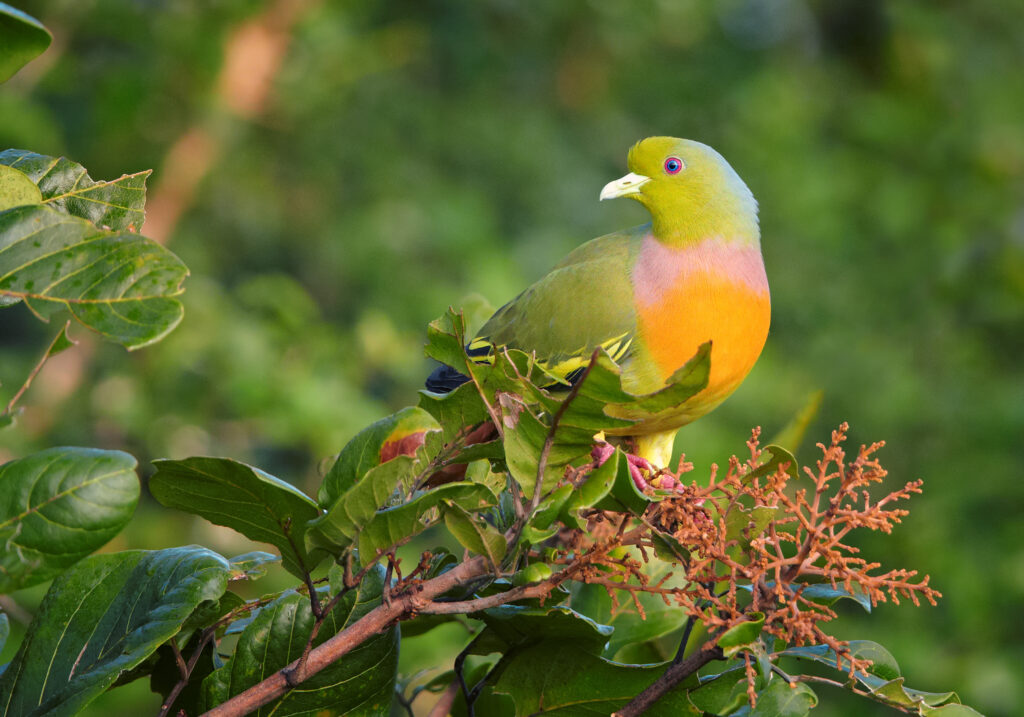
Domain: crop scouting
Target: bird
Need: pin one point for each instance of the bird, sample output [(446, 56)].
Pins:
[(652, 295)]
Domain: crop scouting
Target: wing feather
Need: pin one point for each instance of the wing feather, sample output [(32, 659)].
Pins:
[(585, 302)]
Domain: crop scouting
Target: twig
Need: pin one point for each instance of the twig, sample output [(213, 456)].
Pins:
[(681, 652), (545, 451), (35, 370), (184, 671), (409, 602), (672, 677)]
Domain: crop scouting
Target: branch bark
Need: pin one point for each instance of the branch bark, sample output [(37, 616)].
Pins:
[(672, 677), (414, 599)]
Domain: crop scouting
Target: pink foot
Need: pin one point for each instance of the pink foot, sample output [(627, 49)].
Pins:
[(601, 452), (636, 464)]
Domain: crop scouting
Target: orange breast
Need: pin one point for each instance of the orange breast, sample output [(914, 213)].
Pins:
[(730, 315), (713, 292)]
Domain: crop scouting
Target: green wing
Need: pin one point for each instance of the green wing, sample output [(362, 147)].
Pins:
[(583, 303)]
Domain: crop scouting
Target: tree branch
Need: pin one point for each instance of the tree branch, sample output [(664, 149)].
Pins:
[(412, 600), (672, 677)]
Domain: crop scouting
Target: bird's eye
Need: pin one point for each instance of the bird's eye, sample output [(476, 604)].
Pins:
[(673, 165)]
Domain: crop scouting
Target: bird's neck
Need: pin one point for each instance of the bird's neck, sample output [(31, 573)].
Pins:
[(690, 220)]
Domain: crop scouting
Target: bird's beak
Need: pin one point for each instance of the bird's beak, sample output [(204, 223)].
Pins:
[(624, 186)]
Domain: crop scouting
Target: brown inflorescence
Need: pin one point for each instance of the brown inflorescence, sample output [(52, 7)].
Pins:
[(752, 541)]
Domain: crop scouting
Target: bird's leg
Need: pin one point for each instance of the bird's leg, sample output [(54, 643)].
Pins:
[(603, 450)]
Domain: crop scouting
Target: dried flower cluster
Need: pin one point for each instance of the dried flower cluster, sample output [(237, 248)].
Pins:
[(751, 541)]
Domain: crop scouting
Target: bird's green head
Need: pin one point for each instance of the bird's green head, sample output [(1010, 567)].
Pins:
[(690, 190)]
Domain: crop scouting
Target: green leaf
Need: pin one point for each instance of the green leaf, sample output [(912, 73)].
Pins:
[(590, 492), (238, 496), (253, 565), (722, 694), (883, 664), (549, 508), (391, 525), (474, 533), (778, 699), (119, 284), (455, 410), (951, 710), (658, 619), (362, 683), (744, 525), (882, 679), (59, 505), (64, 185), (821, 593), (556, 678), (525, 436), (777, 456), (103, 617), (624, 495), (336, 531), (401, 433), (22, 38), (515, 626), (896, 693), (741, 636), (16, 189)]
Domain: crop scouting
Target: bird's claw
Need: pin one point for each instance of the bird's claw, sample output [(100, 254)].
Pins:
[(638, 465)]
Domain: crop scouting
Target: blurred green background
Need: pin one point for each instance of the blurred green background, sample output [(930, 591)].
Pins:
[(335, 174)]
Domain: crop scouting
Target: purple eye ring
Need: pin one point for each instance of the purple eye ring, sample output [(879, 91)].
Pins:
[(673, 165)]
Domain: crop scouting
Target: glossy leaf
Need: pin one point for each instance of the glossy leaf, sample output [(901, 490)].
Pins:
[(515, 626), (883, 678), (474, 533), (399, 434), (22, 38), (525, 436), (65, 186), (361, 683), (778, 699), (243, 498), (883, 664), (391, 525), (252, 565), (103, 617), (721, 694), (741, 636), (16, 189), (59, 505), (456, 409), (337, 531), (119, 284), (557, 678), (624, 496), (658, 619), (772, 457)]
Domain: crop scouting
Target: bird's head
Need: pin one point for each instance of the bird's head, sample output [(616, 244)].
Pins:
[(689, 189)]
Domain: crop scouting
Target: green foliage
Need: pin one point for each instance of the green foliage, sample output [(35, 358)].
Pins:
[(229, 493), (58, 506), (102, 617), (22, 37), (72, 245), (361, 684)]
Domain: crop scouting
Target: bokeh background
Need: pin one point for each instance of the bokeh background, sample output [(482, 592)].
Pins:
[(335, 174)]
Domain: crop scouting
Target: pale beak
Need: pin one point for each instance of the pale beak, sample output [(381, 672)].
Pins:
[(624, 186)]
